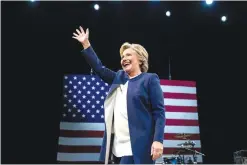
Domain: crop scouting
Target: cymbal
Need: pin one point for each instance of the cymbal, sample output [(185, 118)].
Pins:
[(187, 144), (182, 136)]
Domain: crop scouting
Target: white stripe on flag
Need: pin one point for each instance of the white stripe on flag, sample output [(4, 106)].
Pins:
[(98, 142), (101, 127), (77, 156), (80, 141), (82, 126), (180, 102), (186, 158), (95, 157), (174, 143), (178, 89), (182, 115), (182, 129)]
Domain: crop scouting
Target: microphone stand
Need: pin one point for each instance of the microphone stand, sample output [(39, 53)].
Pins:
[(91, 72), (194, 154)]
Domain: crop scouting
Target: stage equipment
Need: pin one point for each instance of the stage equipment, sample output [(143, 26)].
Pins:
[(240, 157)]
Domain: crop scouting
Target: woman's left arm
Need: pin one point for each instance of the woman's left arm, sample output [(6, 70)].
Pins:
[(157, 107), (158, 113)]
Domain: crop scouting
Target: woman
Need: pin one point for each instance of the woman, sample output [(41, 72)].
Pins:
[(134, 107)]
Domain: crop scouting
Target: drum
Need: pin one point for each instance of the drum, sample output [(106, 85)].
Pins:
[(172, 160)]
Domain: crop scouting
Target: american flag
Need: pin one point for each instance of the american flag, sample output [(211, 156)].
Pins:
[(82, 122)]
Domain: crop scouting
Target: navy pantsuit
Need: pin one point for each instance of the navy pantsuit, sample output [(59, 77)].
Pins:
[(145, 107)]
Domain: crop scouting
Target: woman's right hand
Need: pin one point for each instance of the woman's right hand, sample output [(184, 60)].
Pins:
[(82, 37)]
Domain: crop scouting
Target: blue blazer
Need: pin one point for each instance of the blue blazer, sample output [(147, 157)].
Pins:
[(145, 107)]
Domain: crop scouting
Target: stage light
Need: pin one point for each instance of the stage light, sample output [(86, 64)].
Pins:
[(168, 13), (209, 2), (223, 18), (96, 7)]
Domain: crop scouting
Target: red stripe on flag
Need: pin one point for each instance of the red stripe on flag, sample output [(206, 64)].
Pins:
[(179, 122), (176, 150), (99, 134), (178, 83), (96, 149), (174, 136), (180, 108), (71, 133), (179, 96)]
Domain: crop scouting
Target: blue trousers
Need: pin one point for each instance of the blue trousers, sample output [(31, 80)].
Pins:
[(123, 160)]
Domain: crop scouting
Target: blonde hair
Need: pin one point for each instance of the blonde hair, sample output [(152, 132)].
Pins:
[(141, 52)]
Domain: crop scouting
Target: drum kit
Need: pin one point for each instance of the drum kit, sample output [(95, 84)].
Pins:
[(184, 149)]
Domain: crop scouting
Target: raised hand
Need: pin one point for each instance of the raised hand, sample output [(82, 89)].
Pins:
[(82, 37)]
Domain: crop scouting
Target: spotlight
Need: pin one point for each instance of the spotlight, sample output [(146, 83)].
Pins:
[(96, 7), (168, 13), (223, 18), (209, 2)]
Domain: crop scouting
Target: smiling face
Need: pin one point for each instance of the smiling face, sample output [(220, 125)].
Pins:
[(134, 59), (130, 62)]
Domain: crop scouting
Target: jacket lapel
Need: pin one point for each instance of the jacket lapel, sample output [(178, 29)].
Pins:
[(120, 79), (113, 87)]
